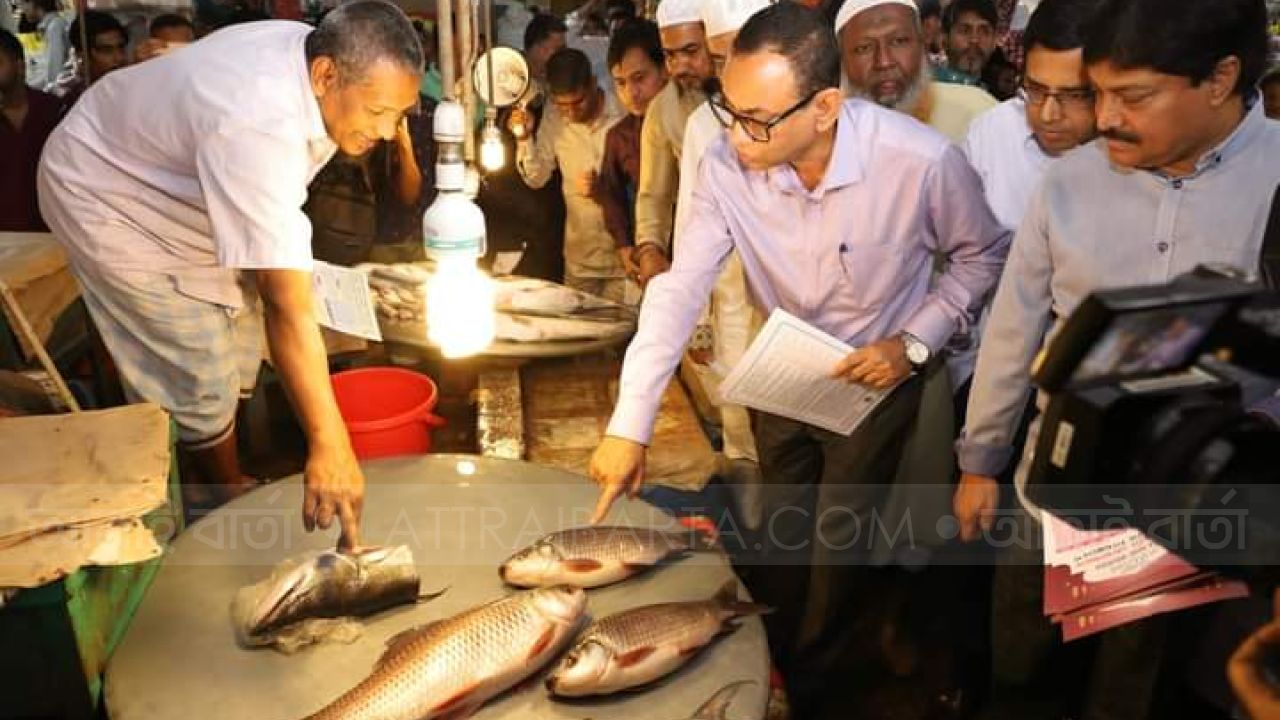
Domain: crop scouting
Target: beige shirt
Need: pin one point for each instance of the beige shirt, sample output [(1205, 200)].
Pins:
[(575, 148), (949, 108), (661, 140)]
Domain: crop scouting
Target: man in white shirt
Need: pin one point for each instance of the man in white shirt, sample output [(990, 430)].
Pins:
[(177, 186), (1013, 144), (571, 137), (883, 53)]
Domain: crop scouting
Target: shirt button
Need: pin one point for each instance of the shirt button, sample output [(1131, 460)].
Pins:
[(1162, 246)]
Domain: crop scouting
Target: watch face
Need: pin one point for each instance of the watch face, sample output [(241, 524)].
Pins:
[(917, 352)]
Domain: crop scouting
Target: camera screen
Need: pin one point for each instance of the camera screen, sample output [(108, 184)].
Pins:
[(1147, 342)]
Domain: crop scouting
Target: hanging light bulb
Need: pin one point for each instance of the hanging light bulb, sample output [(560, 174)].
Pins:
[(493, 155), (460, 296)]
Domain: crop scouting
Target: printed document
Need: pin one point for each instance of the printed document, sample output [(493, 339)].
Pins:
[(787, 372)]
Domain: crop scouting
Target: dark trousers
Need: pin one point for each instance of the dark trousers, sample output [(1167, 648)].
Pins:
[(821, 492)]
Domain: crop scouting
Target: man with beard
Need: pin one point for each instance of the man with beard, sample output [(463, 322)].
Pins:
[(884, 58), (1185, 177), (969, 37), (27, 116), (684, 43)]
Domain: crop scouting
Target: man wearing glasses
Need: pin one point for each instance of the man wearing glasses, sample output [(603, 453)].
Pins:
[(1185, 176), (1012, 145), (836, 208)]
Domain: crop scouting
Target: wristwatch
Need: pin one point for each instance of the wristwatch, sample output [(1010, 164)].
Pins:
[(918, 353)]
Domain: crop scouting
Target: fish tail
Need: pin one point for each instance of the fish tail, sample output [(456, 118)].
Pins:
[(727, 599), (701, 535)]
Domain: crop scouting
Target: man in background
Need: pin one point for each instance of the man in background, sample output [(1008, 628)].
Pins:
[(571, 138), (969, 38), (636, 63), (885, 60), (43, 69), (27, 116), (167, 32), (108, 45), (684, 42)]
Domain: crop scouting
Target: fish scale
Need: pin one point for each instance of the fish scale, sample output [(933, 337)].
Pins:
[(659, 625), (615, 543), (596, 556), (458, 662)]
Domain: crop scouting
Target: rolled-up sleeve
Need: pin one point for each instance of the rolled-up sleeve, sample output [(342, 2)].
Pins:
[(254, 186), (672, 304), (973, 242), (1020, 316)]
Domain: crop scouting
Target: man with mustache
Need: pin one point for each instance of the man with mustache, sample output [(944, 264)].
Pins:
[(684, 43), (1184, 176), (969, 37), (884, 57)]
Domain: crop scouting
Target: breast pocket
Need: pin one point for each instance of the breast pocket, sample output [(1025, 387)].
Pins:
[(870, 273)]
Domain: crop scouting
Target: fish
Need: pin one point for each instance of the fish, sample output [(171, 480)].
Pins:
[(717, 706), (449, 668), (327, 584), (638, 646), (593, 556)]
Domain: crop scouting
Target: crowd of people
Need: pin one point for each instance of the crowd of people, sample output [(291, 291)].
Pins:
[(936, 184)]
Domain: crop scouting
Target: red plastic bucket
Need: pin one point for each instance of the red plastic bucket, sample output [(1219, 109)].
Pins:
[(387, 411)]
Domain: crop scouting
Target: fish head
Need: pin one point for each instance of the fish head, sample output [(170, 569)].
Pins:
[(533, 565), (561, 604), (581, 670)]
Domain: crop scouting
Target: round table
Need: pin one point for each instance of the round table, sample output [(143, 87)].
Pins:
[(461, 515)]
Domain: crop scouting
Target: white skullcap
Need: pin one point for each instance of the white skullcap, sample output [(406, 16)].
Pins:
[(722, 16), (853, 7), (679, 12)]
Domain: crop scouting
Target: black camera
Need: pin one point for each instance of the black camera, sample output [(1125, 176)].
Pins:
[(1147, 423)]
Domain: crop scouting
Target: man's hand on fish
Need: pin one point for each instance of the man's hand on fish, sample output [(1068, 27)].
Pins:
[(617, 466), (880, 365), (334, 488)]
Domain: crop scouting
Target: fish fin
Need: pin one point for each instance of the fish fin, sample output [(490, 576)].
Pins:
[(457, 706), (727, 598), (582, 565), (402, 639), (691, 650), (543, 641), (428, 597), (717, 706), (632, 657)]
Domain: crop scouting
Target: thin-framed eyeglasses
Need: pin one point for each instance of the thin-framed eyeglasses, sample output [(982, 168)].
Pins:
[(1070, 99), (760, 131)]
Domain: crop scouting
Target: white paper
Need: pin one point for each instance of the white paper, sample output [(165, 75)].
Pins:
[(342, 301), (787, 372)]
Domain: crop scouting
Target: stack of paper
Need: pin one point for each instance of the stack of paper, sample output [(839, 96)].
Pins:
[(787, 371), (1095, 580), (73, 490)]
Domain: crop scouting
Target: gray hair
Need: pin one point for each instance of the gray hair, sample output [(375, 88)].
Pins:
[(359, 34)]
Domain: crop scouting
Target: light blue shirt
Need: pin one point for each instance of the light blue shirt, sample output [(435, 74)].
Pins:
[(1091, 226), (852, 257)]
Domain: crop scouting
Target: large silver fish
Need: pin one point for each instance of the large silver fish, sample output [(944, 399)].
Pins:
[(638, 646), (593, 556), (449, 668), (327, 584)]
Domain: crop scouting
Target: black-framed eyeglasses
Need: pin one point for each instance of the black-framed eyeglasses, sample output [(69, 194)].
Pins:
[(1072, 98), (760, 131)]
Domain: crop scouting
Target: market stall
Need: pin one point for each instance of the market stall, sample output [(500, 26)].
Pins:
[(461, 516)]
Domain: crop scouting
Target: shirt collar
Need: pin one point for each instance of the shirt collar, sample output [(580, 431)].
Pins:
[(845, 166), (317, 135)]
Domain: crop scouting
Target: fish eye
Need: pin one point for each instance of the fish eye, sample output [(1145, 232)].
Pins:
[(571, 659)]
